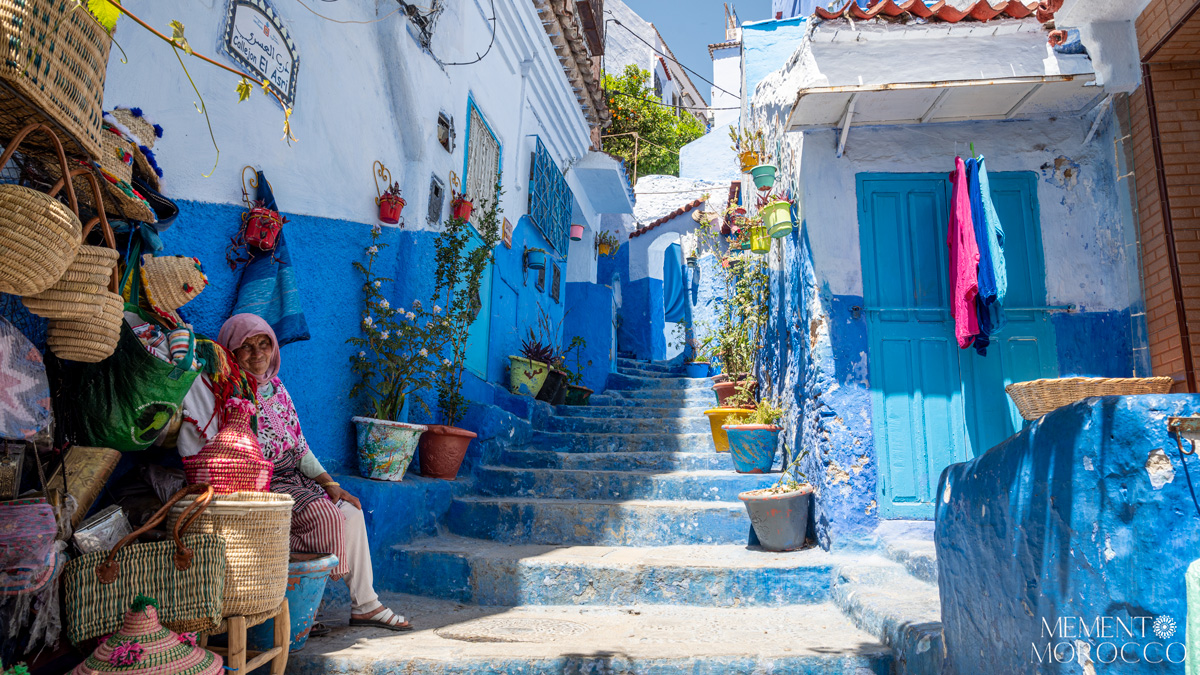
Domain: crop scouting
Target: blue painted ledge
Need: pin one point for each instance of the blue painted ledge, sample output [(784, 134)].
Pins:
[(1073, 536)]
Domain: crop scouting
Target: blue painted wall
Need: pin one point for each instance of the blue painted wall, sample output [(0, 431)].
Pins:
[(1096, 344), (588, 305), (641, 329), (766, 45), (1083, 516)]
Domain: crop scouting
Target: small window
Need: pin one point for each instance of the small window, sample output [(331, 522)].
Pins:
[(446, 131), (555, 281), (437, 194), (657, 85), (483, 159), (541, 280)]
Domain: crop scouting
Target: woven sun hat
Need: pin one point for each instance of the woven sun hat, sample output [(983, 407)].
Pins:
[(144, 647), (171, 281), (140, 129), (121, 200)]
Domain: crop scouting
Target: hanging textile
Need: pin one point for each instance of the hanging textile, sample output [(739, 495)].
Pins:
[(989, 237), (268, 286), (964, 259), (674, 291)]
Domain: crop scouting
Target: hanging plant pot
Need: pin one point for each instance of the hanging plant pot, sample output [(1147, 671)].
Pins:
[(576, 232), (603, 248), (463, 209), (555, 380), (777, 216), (578, 395), (749, 160), (744, 242), (696, 368), (764, 176), (442, 450), (262, 228), (752, 446), (536, 259), (780, 519), (390, 207), (385, 449), (525, 376), (760, 241)]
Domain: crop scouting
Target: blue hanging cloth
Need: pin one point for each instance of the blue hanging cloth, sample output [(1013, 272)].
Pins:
[(674, 290), (268, 286), (989, 235)]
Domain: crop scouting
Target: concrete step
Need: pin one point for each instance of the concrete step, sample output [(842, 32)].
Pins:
[(618, 461), (492, 573), (610, 442), (910, 543), (880, 597), (619, 382), (639, 372), (656, 366), (627, 411), (610, 523), (635, 400), (630, 425), (453, 639), (704, 486)]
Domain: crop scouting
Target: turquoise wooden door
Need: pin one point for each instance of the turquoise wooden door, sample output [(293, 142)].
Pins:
[(932, 403), (479, 334)]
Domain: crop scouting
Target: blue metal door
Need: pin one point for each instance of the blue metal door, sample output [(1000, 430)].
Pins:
[(934, 404)]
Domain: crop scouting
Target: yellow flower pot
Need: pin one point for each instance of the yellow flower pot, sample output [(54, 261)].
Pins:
[(716, 419)]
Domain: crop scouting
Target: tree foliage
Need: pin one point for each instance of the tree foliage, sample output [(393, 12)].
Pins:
[(662, 130)]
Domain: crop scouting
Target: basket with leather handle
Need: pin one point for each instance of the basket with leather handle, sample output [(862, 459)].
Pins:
[(185, 573)]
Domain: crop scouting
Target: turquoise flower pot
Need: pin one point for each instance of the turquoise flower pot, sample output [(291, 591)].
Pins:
[(752, 446), (764, 176), (696, 369), (307, 574), (385, 449), (536, 260)]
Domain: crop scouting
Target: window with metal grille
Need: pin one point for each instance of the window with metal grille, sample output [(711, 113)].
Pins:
[(555, 282), (482, 161), (550, 199)]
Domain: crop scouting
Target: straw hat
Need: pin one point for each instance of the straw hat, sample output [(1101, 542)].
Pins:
[(172, 281), (144, 647), (143, 132)]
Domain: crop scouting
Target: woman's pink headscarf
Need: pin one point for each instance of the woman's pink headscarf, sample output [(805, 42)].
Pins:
[(241, 327)]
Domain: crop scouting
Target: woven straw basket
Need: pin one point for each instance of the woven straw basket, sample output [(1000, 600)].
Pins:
[(91, 339), (256, 527), (113, 149), (39, 237), (56, 55), (1038, 397)]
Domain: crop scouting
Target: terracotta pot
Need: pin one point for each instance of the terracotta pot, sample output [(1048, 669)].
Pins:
[(726, 389), (442, 449)]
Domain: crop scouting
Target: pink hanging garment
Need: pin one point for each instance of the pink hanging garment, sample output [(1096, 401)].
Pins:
[(964, 259)]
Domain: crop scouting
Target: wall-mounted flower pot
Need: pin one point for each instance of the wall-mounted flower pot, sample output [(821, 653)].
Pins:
[(307, 575), (716, 420), (777, 216), (525, 376), (779, 520), (578, 395), (760, 241), (752, 446), (385, 449), (696, 369), (576, 232), (554, 388), (463, 209), (726, 389), (764, 176), (535, 259), (442, 450), (604, 248), (390, 208), (749, 160)]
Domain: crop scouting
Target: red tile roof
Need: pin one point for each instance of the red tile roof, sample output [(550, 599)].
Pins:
[(674, 214), (982, 10)]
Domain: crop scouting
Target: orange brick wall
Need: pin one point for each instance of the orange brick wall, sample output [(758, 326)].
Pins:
[(1158, 17)]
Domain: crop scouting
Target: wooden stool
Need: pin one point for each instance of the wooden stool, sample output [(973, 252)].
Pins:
[(240, 660)]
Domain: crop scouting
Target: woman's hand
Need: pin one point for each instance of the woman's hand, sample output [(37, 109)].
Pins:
[(336, 493)]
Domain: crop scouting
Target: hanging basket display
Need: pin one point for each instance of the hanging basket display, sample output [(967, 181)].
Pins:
[(764, 176), (777, 216)]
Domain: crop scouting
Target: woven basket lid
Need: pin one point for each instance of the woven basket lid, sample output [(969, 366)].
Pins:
[(144, 647), (172, 281), (143, 132)]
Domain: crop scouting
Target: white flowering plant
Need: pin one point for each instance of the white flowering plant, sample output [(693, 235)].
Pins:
[(394, 351)]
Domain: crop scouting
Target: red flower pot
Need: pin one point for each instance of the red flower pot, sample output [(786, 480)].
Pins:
[(463, 209), (390, 208), (726, 390), (442, 449)]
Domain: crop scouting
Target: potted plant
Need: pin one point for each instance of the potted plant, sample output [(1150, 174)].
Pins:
[(576, 232), (527, 372), (750, 147), (779, 513), (776, 215), (390, 204), (535, 258), (607, 243), (695, 368), (457, 282), (461, 207), (717, 417), (754, 437), (577, 394), (394, 361), (760, 241)]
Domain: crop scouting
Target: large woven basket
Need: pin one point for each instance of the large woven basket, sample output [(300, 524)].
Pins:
[(91, 339), (1038, 397), (256, 527), (39, 237), (55, 55)]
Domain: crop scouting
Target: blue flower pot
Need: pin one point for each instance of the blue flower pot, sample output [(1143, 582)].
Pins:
[(536, 260), (764, 176), (696, 369), (307, 574), (752, 446)]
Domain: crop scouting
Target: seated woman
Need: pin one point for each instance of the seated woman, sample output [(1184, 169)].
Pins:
[(325, 518)]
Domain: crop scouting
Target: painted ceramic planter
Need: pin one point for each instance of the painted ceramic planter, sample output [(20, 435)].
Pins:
[(385, 449), (780, 520), (307, 575), (777, 216), (442, 451), (463, 209), (696, 369), (578, 395), (752, 446), (764, 176), (726, 388), (576, 232), (716, 420), (760, 241), (526, 376), (390, 208)]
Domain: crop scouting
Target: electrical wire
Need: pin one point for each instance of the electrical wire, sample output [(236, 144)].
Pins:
[(479, 57), (388, 16), (668, 105), (671, 58)]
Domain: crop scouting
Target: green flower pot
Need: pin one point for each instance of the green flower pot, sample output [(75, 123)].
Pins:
[(764, 176), (526, 376), (760, 242), (777, 216)]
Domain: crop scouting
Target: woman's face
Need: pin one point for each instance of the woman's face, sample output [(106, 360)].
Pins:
[(254, 355)]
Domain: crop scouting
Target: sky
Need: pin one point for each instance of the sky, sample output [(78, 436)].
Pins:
[(689, 26)]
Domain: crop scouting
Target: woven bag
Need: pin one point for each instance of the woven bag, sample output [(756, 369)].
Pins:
[(38, 239), (56, 55), (185, 574), (232, 461), (256, 528), (1038, 397)]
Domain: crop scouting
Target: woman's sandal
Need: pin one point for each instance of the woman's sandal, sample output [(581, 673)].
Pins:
[(318, 630), (383, 618)]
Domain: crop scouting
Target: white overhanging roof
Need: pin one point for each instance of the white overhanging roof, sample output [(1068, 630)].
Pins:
[(603, 179)]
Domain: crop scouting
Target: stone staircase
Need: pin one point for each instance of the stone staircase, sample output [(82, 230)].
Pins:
[(614, 542)]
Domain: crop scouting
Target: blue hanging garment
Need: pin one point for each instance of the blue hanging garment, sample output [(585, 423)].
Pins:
[(674, 291), (989, 235), (268, 286)]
